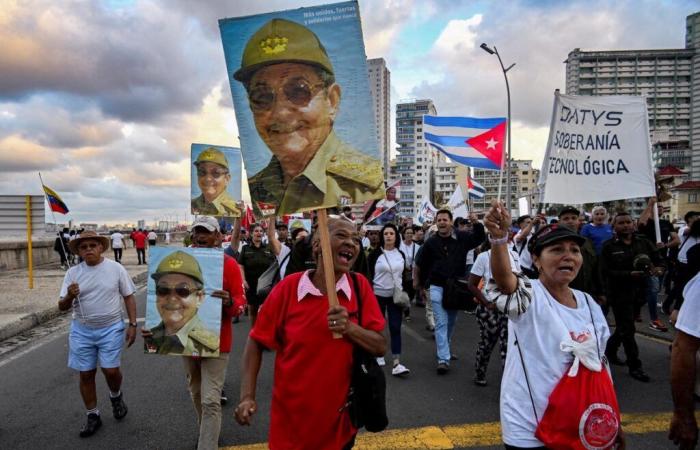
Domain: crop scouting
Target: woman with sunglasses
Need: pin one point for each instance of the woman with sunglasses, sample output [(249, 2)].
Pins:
[(543, 314), (312, 367)]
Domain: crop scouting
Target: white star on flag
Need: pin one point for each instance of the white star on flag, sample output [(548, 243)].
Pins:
[(491, 143)]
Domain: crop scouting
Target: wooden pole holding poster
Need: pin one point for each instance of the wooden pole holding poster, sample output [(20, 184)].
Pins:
[(30, 256), (328, 270)]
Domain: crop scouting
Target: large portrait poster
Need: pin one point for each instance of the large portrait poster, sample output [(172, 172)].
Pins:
[(215, 180), (181, 313), (301, 94)]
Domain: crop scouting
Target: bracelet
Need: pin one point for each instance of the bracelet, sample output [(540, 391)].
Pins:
[(499, 241)]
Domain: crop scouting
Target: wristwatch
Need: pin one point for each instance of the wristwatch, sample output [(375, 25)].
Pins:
[(133, 324)]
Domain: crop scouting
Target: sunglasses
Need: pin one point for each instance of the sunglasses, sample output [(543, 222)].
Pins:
[(87, 246), (181, 291), (213, 173), (298, 93)]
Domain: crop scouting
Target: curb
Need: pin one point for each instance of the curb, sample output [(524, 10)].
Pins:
[(31, 320)]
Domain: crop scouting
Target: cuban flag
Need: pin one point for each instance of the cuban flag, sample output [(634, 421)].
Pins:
[(476, 190), (467, 140)]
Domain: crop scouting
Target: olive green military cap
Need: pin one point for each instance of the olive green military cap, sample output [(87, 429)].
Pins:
[(179, 262), (280, 41), (212, 155)]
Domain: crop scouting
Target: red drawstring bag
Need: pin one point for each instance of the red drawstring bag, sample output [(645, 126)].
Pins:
[(582, 413)]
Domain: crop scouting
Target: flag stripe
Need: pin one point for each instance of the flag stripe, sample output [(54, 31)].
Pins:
[(466, 122), (447, 141), (453, 131), (468, 157), (55, 202)]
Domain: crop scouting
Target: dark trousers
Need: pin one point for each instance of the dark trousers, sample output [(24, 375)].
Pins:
[(117, 254), (493, 326), (394, 315), (623, 310), (141, 253)]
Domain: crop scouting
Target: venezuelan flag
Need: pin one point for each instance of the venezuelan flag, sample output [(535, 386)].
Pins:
[(55, 201)]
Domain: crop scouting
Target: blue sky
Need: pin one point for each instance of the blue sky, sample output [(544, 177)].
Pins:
[(105, 98)]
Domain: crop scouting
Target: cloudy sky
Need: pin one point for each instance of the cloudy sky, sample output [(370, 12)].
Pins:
[(104, 98)]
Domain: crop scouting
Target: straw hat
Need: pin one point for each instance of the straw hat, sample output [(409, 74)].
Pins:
[(86, 236)]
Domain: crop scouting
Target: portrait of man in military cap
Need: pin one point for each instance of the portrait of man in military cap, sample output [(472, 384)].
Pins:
[(288, 88), (214, 190), (179, 319)]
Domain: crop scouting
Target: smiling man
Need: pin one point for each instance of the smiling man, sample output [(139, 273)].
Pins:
[(295, 100), (213, 177), (94, 289)]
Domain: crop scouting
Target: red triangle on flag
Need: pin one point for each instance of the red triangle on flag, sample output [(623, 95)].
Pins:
[(490, 143)]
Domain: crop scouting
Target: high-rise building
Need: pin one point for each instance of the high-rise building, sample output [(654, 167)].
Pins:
[(380, 83), (523, 184), (670, 80), (416, 160)]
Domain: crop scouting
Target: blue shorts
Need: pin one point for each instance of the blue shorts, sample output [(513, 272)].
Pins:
[(86, 345)]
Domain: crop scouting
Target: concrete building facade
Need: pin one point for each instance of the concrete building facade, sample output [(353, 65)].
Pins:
[(670, 80), (416, 160), (380, 87)]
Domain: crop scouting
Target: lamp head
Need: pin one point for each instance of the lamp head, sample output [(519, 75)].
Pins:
[(486, 48)]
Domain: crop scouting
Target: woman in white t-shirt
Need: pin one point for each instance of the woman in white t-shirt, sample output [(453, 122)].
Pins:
[(493, 324), (542, 313), (386, 266), (410, 250)]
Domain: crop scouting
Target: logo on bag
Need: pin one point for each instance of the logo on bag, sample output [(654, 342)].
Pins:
[(598, 427)]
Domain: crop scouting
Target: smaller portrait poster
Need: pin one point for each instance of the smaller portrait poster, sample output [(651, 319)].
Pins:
[(216, 180), (301, 96), (181, 313)]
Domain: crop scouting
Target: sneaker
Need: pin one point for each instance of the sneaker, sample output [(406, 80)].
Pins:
[(92, 424), (657, 325), (224, 398), (119, 408), (381, 361), (639, 375), (399, 370), (443, 368), (480, 381)]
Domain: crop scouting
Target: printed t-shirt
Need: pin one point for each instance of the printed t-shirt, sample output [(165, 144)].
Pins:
[(312, 369), (117, 240), (139, 240), (540, 330), (102, 290), (689, 315)]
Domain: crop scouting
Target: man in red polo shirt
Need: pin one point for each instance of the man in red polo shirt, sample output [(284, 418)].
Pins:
[(205, 376), (139, 238), (312, 369)]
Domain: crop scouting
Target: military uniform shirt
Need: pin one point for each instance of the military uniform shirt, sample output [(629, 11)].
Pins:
[(337, 175), (223, 205), (193, 339)]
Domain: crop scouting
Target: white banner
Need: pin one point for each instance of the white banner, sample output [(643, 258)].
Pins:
[(426, 212), (598, 150), (457, 204), (523, 206)]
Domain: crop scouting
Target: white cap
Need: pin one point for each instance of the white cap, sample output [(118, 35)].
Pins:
[(208, 222)]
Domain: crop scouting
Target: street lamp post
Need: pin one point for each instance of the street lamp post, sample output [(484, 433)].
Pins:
[(505, 70)]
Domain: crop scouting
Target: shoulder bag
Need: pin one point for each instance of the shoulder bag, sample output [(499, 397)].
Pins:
[(367, 396), (270, 278)]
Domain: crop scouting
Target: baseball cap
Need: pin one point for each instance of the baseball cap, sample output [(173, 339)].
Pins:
[(552, 234), (568, 209), (208, 222)]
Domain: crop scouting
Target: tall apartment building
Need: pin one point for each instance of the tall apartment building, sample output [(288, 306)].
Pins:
[(523, 184), (670, 80), (380, 83), (416, 160)]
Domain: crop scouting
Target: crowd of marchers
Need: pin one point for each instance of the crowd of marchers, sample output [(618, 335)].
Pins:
[(558, 298)]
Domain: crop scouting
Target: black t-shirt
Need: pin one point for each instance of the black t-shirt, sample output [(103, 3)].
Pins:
[(648, 230), (255, 261)]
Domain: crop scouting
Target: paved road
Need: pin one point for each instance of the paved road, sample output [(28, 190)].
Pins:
[(40, 407)]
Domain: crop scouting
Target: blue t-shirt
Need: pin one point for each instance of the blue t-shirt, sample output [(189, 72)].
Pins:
[(598, 234)]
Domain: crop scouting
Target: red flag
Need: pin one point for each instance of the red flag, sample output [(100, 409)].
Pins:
[(490, 144), (248, 218)]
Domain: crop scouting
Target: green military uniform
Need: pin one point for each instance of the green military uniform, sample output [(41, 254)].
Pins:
[(337, 175), (223, 205), (193, 339)]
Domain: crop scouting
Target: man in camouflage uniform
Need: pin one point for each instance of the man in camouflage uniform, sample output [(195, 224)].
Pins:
[(213, 178), (294, 100), (179, 293)]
